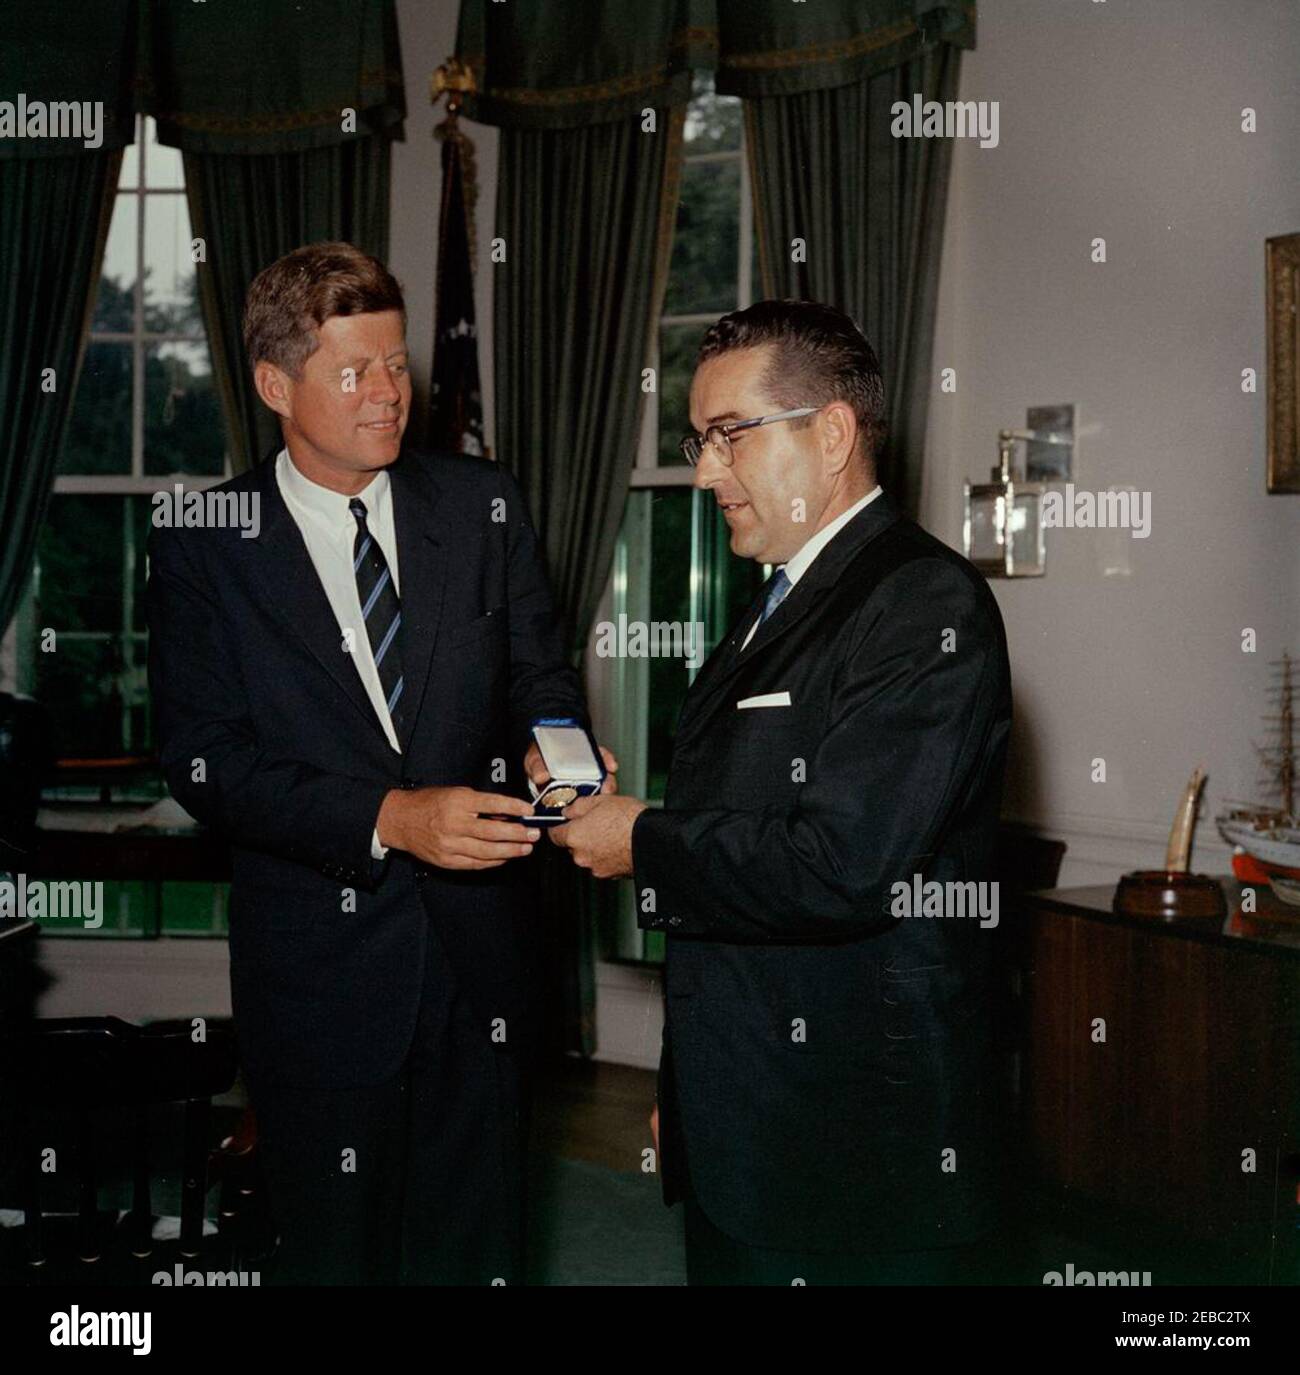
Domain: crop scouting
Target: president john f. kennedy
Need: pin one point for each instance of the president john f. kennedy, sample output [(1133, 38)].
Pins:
[(345, 697)]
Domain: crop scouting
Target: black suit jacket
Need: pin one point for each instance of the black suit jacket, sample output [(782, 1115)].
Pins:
[(267, 735), (820, 1054)]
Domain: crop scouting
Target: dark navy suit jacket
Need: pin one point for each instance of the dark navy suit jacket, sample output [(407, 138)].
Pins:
[(825, 1077), (267, 735)]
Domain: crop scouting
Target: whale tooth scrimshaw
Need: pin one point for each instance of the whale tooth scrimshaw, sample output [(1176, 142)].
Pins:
[(1173, 892), (1180, 836)]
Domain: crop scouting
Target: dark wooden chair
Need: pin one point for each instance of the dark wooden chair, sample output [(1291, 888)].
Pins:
[(97, 1080), (24, 759), (1024, 863)]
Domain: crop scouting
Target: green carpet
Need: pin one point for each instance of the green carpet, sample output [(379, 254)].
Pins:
[(593, 1225)]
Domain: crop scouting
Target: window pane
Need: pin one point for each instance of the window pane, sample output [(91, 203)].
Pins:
[(93, 680), (678, 345), (114, 304), (162, 166), (79, 555), (99, 429), (673, 563), (183, 430), (689, 579), (713, 122), (79, 599), (141, 508), (171, 303), (702, 276), (194, 909), (670, 600), (129, 176)]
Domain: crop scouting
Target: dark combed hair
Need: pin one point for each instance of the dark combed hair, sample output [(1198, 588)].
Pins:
[(290, 300), (819, 356)]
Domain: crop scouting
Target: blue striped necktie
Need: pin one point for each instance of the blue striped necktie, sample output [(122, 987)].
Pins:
[(380, 609)]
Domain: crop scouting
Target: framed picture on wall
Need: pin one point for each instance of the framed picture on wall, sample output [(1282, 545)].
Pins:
[(1282, 263)]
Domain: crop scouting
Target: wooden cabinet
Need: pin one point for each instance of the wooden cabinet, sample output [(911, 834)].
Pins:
[(1157, 1054)]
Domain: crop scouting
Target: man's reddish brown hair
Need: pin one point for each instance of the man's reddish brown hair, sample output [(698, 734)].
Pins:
[(290, 300)]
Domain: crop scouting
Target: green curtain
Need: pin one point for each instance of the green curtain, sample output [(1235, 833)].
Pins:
[(870, 209), (82, 55), (586, 218), (55, 198), (773, 47), (54, 214), (566, 64), (253, 208), (269, 76)]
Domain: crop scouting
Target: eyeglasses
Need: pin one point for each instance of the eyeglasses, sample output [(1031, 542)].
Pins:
[(718, 437)]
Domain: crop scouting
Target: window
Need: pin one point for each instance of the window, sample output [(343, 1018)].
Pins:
[(145, 415), (672, 561)]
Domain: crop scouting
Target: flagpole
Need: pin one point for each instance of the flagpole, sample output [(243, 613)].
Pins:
[(455, 391)]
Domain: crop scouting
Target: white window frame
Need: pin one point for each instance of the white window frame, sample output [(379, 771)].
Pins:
[(647, 470), (137, 482)]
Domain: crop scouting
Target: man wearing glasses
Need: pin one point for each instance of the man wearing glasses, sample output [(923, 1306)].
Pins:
[(825, 1080)]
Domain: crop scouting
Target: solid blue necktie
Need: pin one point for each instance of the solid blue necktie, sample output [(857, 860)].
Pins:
[(776, 594), (380, 609)]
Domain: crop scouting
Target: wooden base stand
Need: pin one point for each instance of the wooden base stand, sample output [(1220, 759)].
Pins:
[(1165, 894)]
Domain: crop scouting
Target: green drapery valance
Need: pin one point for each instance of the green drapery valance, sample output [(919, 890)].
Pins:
[(771, 47), (65, 56), (564, 64), (270, 76), (242, 76), (556, 64)]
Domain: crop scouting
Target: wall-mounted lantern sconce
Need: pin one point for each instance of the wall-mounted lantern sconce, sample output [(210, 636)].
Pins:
[(1003, 527)]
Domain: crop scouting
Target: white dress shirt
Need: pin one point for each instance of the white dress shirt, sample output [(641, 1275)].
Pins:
[(329, 531), (802, 561)]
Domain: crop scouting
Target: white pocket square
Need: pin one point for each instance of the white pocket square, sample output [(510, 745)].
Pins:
[(766, 699)]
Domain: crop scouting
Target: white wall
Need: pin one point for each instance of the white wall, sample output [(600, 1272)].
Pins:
[(1124, 121), (428, 35)]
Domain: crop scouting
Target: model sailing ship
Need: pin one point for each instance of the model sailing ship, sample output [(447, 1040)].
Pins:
[(1270, 835)]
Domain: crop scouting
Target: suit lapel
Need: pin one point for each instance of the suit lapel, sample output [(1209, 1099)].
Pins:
[(421, 571), (708, 691), (725, 654), (294, 593)]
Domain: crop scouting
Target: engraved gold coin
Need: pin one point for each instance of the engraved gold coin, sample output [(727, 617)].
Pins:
[(561, 797)]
